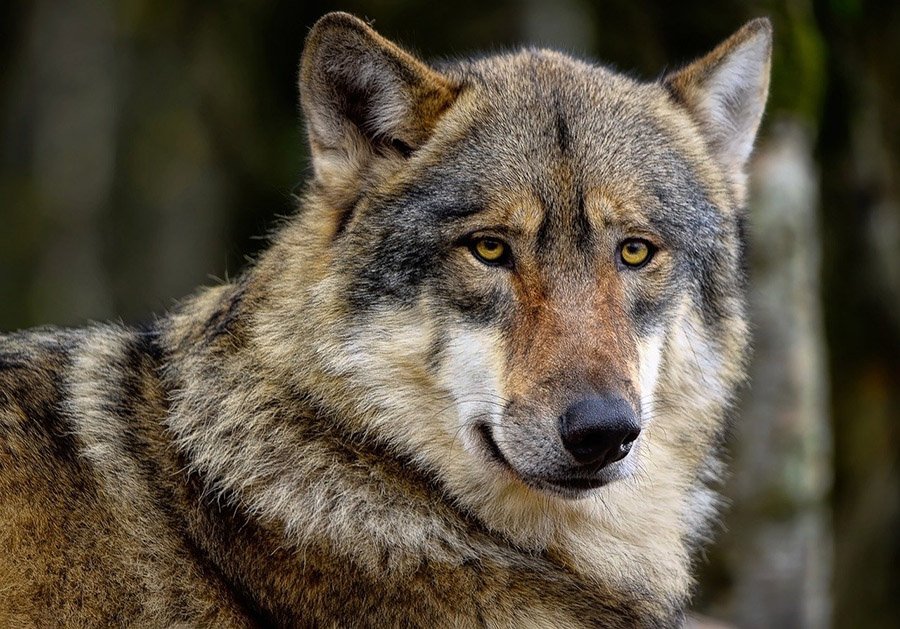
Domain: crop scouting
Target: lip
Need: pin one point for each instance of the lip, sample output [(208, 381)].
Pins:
[(493, 449), (577, 484), (570, 487)]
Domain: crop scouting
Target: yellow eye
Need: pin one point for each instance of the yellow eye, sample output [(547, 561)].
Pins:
[(490, 250), (635, 252)]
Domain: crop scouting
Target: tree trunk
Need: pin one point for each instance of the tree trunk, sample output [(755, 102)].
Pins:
[(778, 546)]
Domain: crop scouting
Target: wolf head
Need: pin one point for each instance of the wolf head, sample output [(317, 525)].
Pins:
[(524, 269)]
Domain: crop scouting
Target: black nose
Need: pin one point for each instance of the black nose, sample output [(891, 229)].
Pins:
[(599, 431)]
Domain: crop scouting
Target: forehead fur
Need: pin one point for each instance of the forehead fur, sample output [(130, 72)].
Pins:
[(538, 119), (577, 153)]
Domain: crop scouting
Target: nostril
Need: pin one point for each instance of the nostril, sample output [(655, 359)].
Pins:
[(625, 446), (599, 431)]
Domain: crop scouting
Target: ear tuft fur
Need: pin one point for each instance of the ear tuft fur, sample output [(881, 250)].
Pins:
[(365, 97), (726, 91)]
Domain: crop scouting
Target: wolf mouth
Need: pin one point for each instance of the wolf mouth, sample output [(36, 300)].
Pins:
[(566, 487), (577, 484), (493, 449)]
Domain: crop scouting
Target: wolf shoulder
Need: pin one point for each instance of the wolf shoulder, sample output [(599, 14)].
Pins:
[(80, 529)]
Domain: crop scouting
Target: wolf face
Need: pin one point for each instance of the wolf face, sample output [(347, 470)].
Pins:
[(538, 236)]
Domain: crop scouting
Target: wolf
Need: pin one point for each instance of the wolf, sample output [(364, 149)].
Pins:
[(480, 379)]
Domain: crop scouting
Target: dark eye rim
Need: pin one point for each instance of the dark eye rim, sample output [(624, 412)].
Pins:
[(651, 253), (503, 261)]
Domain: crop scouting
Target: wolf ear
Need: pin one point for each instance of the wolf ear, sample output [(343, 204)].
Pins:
[(726, 90), (364, 98)]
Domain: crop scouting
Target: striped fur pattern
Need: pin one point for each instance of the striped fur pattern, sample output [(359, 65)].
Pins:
[(362, 430)]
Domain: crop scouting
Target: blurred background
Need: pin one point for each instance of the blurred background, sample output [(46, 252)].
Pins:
[(146, 145)]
